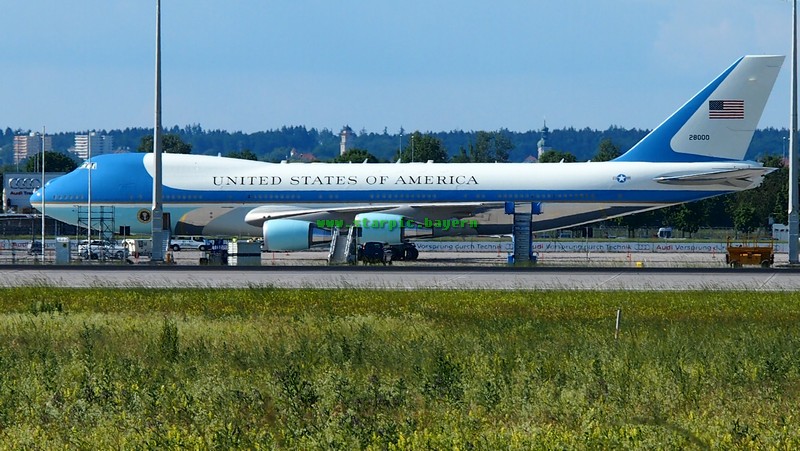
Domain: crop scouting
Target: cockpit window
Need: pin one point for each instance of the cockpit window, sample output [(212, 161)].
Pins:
[(86, 165)]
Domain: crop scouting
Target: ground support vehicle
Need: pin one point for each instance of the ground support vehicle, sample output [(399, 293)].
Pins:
[(750, 252), (138, 247)]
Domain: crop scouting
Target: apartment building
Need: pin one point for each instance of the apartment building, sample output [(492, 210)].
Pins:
[(27, 145), (97, 144)]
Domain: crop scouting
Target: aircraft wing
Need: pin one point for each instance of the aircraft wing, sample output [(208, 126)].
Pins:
[(257, 216), (739, 178)]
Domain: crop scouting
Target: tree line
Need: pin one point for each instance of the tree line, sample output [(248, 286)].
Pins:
[(276, 145)]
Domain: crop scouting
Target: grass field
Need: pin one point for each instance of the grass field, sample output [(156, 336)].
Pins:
[(270, 368)]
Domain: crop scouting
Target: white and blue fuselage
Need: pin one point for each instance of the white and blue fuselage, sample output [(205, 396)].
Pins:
[(222, 185)]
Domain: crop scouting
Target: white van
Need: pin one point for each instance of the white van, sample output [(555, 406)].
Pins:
[(139, 247), (189, 242)]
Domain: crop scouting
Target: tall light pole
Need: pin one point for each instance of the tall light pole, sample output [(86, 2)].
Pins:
[(157, 216), (44, 135), (89, 197), (783, 153), (794, 194)]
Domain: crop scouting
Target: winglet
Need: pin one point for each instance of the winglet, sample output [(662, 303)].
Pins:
[(717, 123)]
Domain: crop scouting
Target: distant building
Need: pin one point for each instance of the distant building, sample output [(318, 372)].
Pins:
[(294, 155), (346, 142), (99, 144), (18, 187), (27, 145), (542, 146)]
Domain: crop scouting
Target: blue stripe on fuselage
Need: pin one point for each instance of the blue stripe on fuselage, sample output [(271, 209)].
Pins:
[(174, 196)]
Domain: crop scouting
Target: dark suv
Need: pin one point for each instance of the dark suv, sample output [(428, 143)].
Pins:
[(375, 252), (35, 248)]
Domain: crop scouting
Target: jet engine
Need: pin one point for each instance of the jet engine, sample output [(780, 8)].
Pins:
[(292, 235)]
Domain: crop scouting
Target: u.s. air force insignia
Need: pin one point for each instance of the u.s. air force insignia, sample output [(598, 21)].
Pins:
[(144, 215), (621, 178)]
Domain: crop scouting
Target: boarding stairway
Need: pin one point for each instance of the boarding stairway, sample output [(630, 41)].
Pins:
[(343, 246)]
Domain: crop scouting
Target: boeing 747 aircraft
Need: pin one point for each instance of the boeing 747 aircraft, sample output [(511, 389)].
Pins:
[(696, 153)]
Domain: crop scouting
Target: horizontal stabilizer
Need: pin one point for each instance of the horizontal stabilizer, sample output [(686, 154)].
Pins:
[(738, 178)]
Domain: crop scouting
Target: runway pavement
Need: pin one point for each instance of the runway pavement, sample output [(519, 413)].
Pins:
[(408, 277), (598, 271)]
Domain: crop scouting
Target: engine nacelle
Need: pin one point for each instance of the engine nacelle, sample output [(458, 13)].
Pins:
[(388, 228), (292, 235)]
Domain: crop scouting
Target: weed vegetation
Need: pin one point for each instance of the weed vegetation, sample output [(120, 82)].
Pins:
[(399, 370)]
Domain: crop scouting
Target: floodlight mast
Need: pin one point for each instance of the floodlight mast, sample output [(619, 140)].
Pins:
[(157, 216), (794, 189), (89, 197), (44, 139)]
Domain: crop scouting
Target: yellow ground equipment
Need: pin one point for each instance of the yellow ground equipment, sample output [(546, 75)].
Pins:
[(750, 252)]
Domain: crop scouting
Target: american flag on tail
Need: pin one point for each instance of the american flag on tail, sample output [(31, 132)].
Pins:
[(726, 109)]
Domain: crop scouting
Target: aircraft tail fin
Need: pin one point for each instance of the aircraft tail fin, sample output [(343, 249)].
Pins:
[(718, 123)]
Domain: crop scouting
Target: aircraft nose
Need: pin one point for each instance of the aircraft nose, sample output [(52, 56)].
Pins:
[(36, 199), (53, 189)]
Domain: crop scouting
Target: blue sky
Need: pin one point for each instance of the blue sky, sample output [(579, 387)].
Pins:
[(429, 65)]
